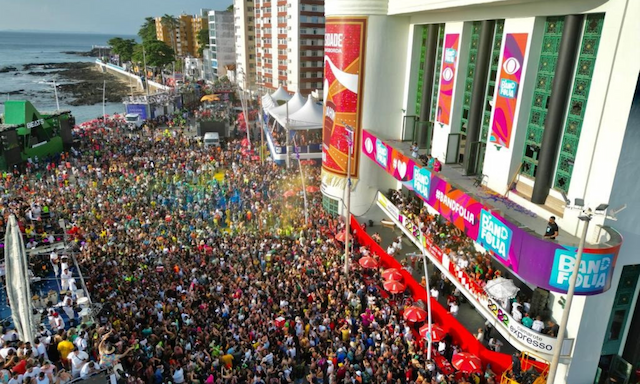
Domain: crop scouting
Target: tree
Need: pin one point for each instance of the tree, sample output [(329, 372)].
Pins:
[(147, 31), (230, 8), (171, 23), (203, 40), (122, 47), (158, 54)]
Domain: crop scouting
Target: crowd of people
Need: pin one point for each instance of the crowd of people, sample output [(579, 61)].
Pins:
[(478, 265), (206, 273), (301, 138)]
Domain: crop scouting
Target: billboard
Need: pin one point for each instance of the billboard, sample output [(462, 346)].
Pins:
[(344, 53), (546, 264), (447, 77), (506, 99)]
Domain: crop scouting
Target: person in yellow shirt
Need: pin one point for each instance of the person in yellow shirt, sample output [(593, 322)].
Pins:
[(65, 347)]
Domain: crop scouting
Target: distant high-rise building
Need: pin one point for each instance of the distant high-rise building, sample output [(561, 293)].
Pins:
[(222, 44), (243, 20)]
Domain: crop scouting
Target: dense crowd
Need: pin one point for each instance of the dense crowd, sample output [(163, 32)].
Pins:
[(206, 273), (300, 138), (463, 253)]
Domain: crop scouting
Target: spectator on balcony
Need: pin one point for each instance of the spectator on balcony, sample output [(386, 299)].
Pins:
[(552, 229), (537, 325), (414, 150), (552, 329), (527, 321)]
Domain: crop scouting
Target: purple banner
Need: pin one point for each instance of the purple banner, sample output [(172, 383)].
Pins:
[(537, 261)]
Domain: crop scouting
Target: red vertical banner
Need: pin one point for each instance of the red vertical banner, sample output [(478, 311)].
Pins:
[(344, 53), (514, 52), (447, 77)]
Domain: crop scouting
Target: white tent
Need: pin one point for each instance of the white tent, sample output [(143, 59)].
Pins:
[(293, 105), (268, 102), (280, 95), (17, 278), (307, 117)]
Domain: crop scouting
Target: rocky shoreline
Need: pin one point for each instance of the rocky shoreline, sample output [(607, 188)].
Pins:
[(79, 82)]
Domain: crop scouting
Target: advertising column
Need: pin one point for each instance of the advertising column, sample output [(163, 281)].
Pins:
[(514, 86), (449, 70), (344, 63)]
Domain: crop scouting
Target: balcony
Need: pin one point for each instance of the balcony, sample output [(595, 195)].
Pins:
[(498, 228)]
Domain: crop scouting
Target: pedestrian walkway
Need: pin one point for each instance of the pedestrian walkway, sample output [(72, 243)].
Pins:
[(468, 316)]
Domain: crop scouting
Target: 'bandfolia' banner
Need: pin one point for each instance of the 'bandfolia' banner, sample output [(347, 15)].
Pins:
[(447, 77), (513, 54), (344, 53), (537, 261)]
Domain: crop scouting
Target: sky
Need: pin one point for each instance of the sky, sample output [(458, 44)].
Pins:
[(93, 16)]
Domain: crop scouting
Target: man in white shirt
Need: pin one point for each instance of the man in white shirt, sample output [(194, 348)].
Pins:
[(55, 261), (435, 293), (537, 326), (454, 308), (91, 368), (78, 359), (65, 276)]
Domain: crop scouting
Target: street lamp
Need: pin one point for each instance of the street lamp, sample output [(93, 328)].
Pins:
[(428, 289), (55, 91), (586, 216), (349, 138)]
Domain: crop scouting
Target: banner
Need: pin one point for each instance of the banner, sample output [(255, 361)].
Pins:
[(537, 261), (344, 53), (447, 77), (513, 54)]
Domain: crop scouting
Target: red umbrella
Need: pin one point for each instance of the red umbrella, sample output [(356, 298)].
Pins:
[(289, 193), (415, 314), (312, 189), (394, 286), (437, 333), (368, 262), (466, 362), (392, 274)]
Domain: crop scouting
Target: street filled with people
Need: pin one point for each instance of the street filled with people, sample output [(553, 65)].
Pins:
[(206, 271)]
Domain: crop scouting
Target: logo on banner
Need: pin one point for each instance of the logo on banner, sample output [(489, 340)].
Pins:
[(508, 88), (447, 74), (593, 273), (494, 235), (421, 182), (382, 153), (368, 145), (511, 65), (450, 56)]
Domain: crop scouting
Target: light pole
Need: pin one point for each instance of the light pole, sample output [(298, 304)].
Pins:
[(586, 216), (349, 137), (304, 188), (104, 95), (428, 289), (55, 91)]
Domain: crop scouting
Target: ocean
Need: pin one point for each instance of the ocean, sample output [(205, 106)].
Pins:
[(20, 48)]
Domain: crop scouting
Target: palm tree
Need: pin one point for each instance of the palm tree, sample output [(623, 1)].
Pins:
[(171, 23)]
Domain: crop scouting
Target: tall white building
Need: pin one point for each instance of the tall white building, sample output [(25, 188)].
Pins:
[(243, 20), (289, 44), (222, 44)]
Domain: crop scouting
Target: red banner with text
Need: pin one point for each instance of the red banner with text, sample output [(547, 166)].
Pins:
[(344, 54)]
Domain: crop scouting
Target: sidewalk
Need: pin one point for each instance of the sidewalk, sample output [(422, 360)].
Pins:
[(468, 316)]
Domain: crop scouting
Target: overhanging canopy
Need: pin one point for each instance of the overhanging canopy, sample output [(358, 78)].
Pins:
[(307, 117)]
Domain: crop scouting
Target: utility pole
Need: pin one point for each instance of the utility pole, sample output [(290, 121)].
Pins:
[(286, 132), (146, 81), (304, 188), (104, 95), (347, 215), (55, 91)]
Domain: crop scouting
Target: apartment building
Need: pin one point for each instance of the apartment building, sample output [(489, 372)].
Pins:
[(222, 46), (183, 35), (244, 33), (289, 44)]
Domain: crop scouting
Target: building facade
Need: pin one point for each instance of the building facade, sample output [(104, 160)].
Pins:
[(182, 33), (289, 44), (537, 101), (221, 42), (245, 45)]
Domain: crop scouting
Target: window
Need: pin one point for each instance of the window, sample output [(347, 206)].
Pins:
[(303, 19), (314, 19)]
